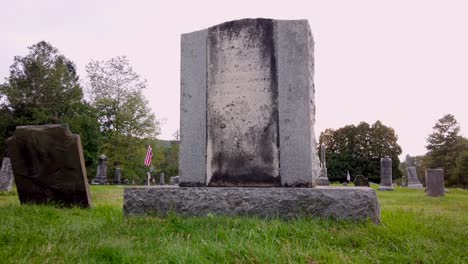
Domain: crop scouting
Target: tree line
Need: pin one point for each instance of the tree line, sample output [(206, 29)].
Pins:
[(446, 149), (111, 114), (358, 149)]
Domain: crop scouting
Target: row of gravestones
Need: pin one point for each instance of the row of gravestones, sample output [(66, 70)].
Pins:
[(434, 177), (101, 175)]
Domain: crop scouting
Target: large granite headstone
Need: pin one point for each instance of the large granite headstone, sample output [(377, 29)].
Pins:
[(247, 121), (361, 181), (260, 107), (413, 180), (48, 166), (386, 174), (6, 176), (435, 182)]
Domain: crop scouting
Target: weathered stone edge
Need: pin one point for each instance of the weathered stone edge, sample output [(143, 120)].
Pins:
[(355, 203)]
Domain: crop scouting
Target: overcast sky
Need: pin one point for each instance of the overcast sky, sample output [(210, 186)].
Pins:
[(403, 62)]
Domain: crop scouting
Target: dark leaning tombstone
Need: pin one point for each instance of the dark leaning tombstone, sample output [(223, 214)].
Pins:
[(435, 182), (247, 110), (361, 181), (48, 166), (6, 176)]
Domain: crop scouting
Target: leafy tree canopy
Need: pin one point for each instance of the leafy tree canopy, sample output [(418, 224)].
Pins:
[(445, 147), (116, 91), (358, 149), (42, 87)]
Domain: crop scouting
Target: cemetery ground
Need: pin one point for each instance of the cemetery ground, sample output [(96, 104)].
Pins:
[(414, 229)]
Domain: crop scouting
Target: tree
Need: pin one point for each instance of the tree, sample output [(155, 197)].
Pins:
[(358, 149), (460, 177), (117, 93), (444, 146), (42, 88), (126, 121)]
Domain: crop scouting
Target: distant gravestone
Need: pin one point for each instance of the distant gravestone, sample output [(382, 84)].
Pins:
[(361, 181), (413, 180), (404, 181), (6, 176), (48, 166), (386, 174), (174, 180), (161, 179), (101, 172), (435, 182), (117, 175), (323, 177)]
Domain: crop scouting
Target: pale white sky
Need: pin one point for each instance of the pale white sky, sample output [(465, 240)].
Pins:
[(404, 62)]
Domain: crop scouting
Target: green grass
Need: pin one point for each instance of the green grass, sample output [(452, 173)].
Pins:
[(414, 229)]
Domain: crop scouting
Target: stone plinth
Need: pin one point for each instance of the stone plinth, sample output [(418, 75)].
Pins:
[(435, 182), (357, 203)]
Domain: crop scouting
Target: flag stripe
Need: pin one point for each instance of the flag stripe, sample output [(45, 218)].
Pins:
[(149, 156)]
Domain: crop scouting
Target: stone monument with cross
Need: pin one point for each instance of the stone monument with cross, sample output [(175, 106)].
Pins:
[(413, 180), (247, 129), (323, 177)]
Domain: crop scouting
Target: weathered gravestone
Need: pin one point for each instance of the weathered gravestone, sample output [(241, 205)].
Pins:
[(386, 174), (117, 175), (101, 172), (413, 181), (361, 181), (435, 182), (174, 180), (323, 177), (161, 179), (6, 176), (247, 120), (48, 165), (254, 97)]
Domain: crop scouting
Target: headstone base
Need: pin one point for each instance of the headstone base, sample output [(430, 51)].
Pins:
[(386, 188), (415, 186), (357, 203), (323, 181)]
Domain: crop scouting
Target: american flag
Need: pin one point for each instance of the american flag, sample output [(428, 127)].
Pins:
[(149, 156)]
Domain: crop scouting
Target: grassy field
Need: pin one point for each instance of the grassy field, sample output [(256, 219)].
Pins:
[(414, 229)]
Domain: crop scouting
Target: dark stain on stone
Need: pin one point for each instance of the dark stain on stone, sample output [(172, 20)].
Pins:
[(231, 164)]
